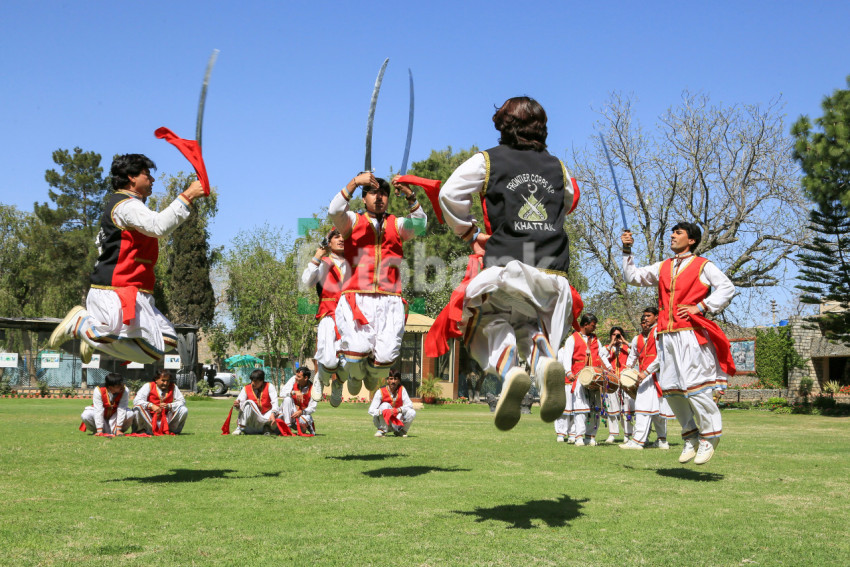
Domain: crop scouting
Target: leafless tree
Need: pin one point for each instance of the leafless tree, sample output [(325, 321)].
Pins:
[(727, 168)]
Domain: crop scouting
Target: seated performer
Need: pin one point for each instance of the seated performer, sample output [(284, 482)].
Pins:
[(258, 407), (582, 349), (391, 408), (694, 356), (370, 314), (617, 352), (297, 404), (328, 271), (108, 414), (520, 304), (121, 318), (159, 407)]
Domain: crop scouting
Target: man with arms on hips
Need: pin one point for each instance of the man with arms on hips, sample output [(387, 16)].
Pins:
[(121, 318), (370, 315), (258, 407), (687, 363), (580, 350), (159, 406), (328, 270), (391, 408), (620, 404), (520, 304), (109, 413), (297, 403), (648, 398)]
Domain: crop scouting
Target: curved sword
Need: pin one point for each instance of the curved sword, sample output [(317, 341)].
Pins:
[(403, 169), (200, 122), (371, 120), (614, 177)]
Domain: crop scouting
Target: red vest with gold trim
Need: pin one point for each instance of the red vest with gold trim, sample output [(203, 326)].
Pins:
[(582, 356), (153, 395), (366, 249), (618, 362), (265, 402), (127, 257), (684, 288), (329, 290), (646, 349), (387, 397), (302, 401)]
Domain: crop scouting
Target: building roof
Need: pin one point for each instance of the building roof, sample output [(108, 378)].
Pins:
[(417, 323)]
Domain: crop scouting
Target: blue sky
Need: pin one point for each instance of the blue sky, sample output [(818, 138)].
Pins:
[(287, 105)]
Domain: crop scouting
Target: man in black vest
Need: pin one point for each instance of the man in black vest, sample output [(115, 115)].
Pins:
[(121, 318), (520, 304)]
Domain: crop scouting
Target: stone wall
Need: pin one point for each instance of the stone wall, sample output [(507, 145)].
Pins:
[(732, 396), (804, 339)]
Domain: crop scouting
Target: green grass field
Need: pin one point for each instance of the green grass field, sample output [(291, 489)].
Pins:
[(456, 492)]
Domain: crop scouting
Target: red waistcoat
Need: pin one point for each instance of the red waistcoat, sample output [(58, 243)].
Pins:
[(109, 409), (582, 356), (329, 290), (265, 402), (153, 395), (374, 257), (618, 363), (684, 288), (302, 401), (646, 349), (127, 257), (387, 397)]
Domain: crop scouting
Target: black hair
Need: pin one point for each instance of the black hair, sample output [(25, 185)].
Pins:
[(587, 318), (113, 379), (305, 372), (383, 186), (693, 231), (620, 330), (651, 309), (395, 374), (258, 374), (164, 372), (127, 166), (521, 121)]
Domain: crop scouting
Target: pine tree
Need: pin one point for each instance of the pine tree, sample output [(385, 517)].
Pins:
[(825, 156), (826, 267)]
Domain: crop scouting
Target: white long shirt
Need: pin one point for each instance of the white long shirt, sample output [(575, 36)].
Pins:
[(286, 391), (344, 219), (133, 213), (317, 271), (565, 354), (243, 397), (120, 414), (378, 398), (720, 297), (141, 399)]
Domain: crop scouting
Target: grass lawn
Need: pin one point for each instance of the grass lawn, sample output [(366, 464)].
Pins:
[(456, 492)]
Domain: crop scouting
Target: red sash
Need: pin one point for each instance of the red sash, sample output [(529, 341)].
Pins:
[(432, 190), (447, 324), (108, 409), (390, 415), (159, 421)]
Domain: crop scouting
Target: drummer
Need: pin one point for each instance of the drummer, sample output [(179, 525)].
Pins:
[(648, 399), (617, 352), (582, 350)]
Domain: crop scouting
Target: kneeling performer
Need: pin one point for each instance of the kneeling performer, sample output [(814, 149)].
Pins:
[(391, 408)]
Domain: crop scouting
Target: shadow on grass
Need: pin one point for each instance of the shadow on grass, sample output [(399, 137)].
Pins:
[(369, 457), (689, 474), (408, 471), (180, 475), (553, 513)]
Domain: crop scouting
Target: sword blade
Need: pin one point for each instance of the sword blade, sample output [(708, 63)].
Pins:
[(403, 169), (614, 177), (370, 122), (199, 124)]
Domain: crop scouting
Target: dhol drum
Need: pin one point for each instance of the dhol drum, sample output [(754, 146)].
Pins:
[(598, 379), (629, 381)]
